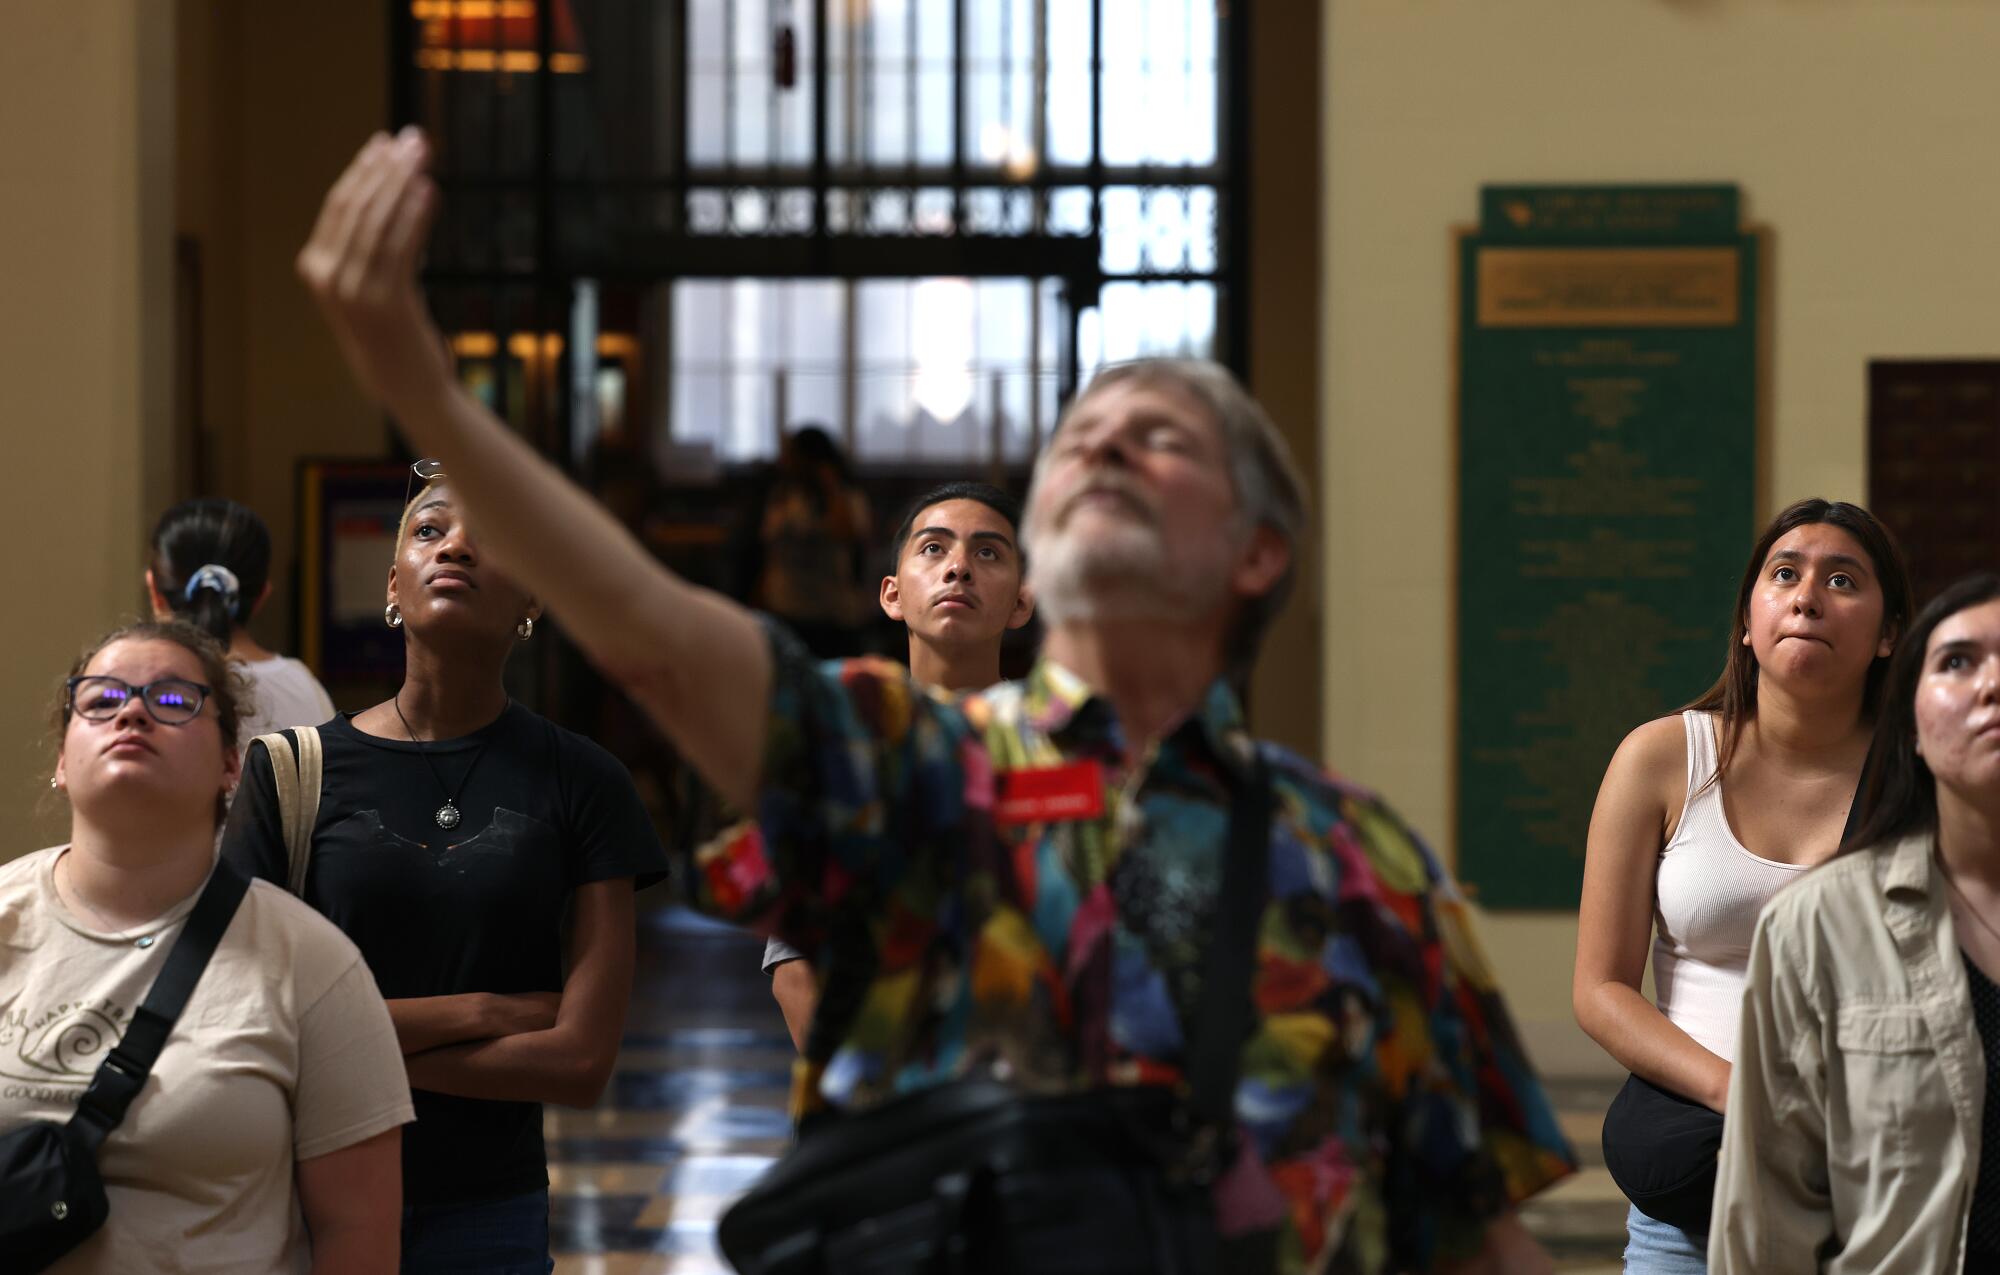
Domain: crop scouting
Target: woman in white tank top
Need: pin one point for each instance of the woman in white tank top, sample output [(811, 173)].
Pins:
[(1705, 815)]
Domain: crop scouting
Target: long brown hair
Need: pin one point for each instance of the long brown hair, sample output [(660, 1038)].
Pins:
[(1734, 696), (1898, 792)]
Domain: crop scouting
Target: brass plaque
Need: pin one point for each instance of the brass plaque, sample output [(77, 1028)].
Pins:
[(1608, 287)]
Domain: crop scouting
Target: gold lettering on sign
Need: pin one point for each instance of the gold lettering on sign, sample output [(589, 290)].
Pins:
[(1608, 287)]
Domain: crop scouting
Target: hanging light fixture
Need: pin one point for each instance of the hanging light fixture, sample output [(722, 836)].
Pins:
[(494, 36)]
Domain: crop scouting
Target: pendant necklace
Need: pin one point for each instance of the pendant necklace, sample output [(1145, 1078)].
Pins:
[(447, 815)]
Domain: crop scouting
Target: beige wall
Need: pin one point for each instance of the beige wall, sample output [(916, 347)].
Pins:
[(208, 199), (1284, 346), (86, 241), (299, 400), (129, 122), (1861, 132), (279, 96)]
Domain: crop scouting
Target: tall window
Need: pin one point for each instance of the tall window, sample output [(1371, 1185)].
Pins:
[(690, 227)]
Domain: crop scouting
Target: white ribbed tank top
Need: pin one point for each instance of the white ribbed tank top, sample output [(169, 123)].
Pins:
[(1708, 893)]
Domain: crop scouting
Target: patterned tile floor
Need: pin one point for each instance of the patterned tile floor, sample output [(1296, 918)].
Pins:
[(697, 1110)]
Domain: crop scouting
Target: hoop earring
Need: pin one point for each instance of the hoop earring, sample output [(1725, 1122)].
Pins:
[(392, 616), (526, 628)]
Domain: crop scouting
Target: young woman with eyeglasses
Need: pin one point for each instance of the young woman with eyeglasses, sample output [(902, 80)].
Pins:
[(266, 1136), (1864, 1131), (211, 566), (456, 832)]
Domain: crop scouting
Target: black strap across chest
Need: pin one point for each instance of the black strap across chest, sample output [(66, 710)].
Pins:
[(124, 1070)]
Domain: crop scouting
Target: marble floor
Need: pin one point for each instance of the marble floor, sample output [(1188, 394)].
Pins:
[(697, 1110)]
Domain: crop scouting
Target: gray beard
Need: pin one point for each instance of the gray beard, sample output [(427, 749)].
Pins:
[(1121, 578)]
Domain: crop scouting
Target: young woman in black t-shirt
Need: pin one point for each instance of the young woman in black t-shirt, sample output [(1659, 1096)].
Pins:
[(455, 829)]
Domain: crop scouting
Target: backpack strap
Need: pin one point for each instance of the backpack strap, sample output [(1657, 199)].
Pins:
[(297, 776), (1225, 1013), (124, 1070)]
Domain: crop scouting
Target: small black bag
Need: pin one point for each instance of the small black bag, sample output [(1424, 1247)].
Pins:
[(51, 1194), (1662, 1150), (51, 1198), (977, 1178)]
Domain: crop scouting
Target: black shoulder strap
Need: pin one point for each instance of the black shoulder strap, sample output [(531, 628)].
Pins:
[(1222, 1017), (124, 1070)]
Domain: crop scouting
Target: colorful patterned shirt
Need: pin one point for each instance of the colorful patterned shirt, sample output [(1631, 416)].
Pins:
[(1387, 1108)]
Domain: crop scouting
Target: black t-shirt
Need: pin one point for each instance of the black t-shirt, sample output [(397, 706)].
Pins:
[(477, 909)]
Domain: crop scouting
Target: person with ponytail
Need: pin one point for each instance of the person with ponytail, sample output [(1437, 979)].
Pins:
[(211, 567)]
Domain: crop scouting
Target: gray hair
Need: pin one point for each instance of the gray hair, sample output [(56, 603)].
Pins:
[(1269, 492)]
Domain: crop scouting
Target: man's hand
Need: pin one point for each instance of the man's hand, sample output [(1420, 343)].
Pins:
[(695, 661), (361, 266)]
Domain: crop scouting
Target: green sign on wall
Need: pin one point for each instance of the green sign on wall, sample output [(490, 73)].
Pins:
[(1607, 453)]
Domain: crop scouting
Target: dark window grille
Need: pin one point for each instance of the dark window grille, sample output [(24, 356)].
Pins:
[(665, 226)]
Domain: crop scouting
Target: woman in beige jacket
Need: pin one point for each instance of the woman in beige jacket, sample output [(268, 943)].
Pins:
[(1871, 1021)]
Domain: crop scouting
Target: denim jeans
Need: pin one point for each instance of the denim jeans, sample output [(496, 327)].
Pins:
[(1653, 1247), (484, 1237)]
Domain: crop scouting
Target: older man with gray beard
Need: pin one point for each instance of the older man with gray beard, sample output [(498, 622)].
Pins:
[(1026, 885)]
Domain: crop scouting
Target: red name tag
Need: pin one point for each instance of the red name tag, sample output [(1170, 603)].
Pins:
[(1051, 794)]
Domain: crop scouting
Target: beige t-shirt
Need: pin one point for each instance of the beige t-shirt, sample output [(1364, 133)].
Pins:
[(285, 1052)]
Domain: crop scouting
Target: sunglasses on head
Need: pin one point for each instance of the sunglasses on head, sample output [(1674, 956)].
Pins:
[(429, 471)]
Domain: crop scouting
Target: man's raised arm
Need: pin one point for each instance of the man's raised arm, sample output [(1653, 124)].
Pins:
[(696, 661)]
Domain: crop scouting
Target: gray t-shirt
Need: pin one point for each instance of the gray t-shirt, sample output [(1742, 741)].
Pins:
[(283, 692), (777, 952)]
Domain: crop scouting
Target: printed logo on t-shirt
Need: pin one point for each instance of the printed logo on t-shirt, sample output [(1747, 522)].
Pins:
[(50, 1055)]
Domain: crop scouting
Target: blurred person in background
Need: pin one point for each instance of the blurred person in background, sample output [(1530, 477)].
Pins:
[(211, 566), (813, 531)]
